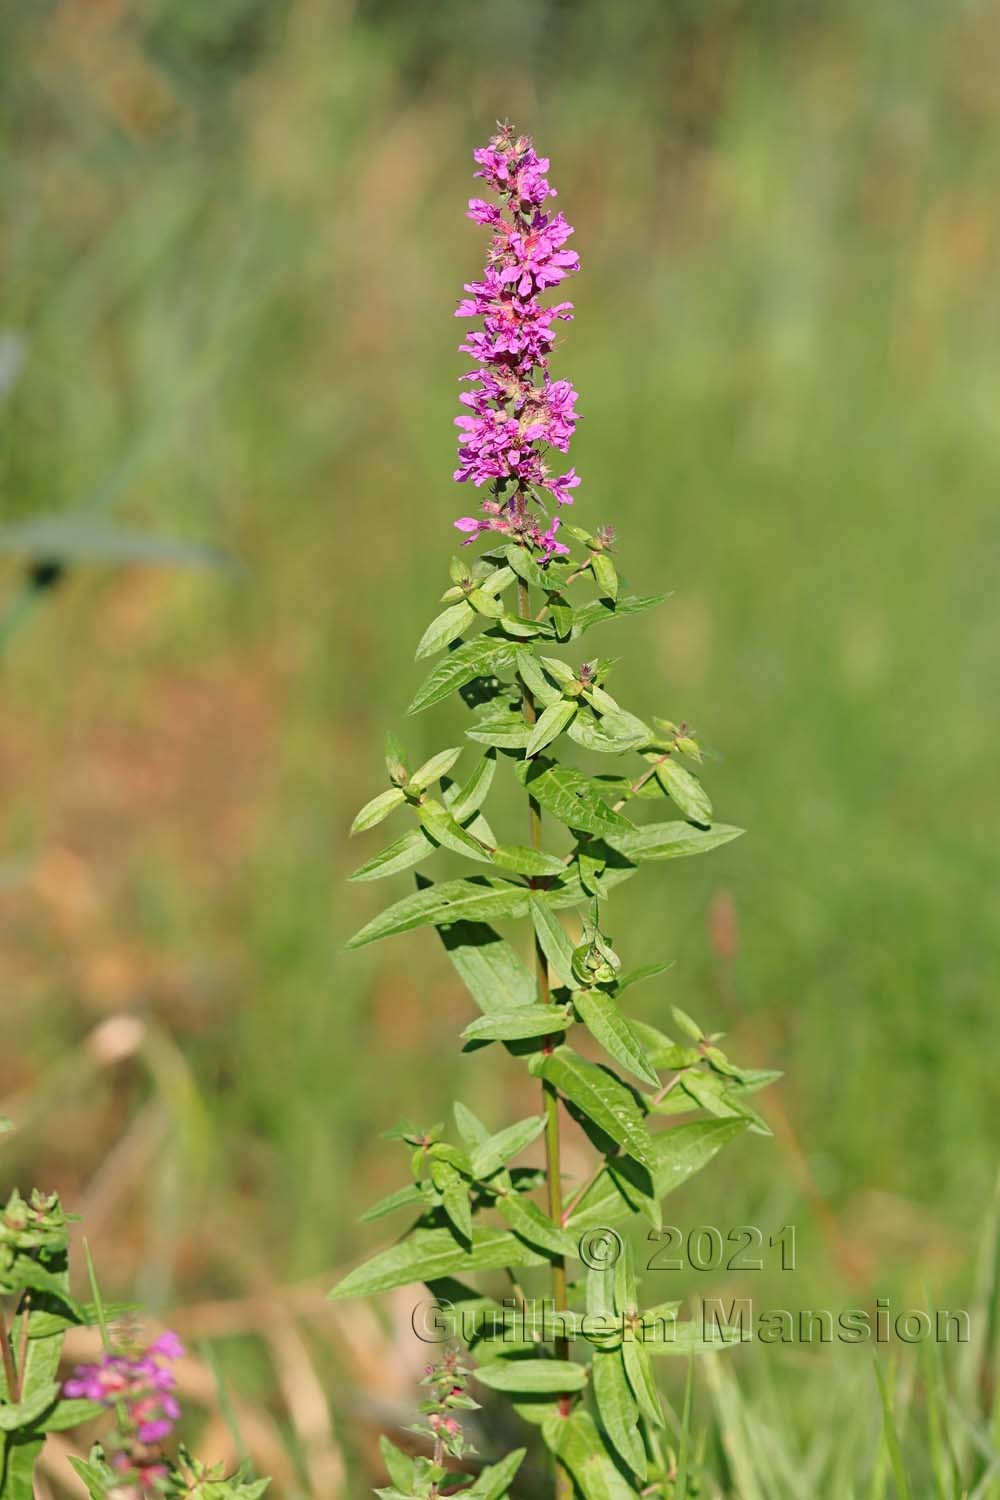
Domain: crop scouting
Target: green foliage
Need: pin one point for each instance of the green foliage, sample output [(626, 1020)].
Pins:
[(592, 1392)]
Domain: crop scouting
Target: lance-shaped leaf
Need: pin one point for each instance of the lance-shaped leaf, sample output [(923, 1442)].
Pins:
[(398, 1465), (671, 840), (669, 1337), (505, 1145), (432, 770), (640, 1378), (428, 1254), (524, 565), (553, 940), (601, 1097), (551, 724), (539, 1377), (524, 861), (578, 1445), (495, 976), (605, 575), (23, 1413), (506, 731), (520, 629), (482, 657), (528, 1220), (721, 1098), (686, 790), (454, 1195), (618, 1410), (570, 796), (378, 808), (410, 1196), (600, 610), (443, 828), (445, 628), (611, 734), (531, 674), (410, 849), (451, 901), (603, 1018), (517, 1025), (463, 802), (677, 1154), (493, 1482)]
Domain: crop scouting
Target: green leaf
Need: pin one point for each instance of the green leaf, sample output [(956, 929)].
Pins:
[(450, 901), (611, 734), (427, 1254), (561, 670), (551, 724), (442, 827), (484, 603), (640, 1379), (601, 1097), (570, 796), (524, 861), (505, 1145), (398, 1465), (720, 1098), (482, 657), (493, 1482), (618, 1410), (473, 794), (605, 575), (686, 790), (378, 808), (454, 1194), (447, 627), (520, 629), (604, 1020), (470, 1127), (432, 770), (15, 1415), (528, 1220), (501, 731), (516, 1025), (578, 1445), (539, 1377), (671, 840), (18, 1457), (26, 1273), (553, 940), (534, 679), (68, 1414), (677, 1154), (525, 567), (405, 1197), (600, 610), (408, 850), (495, 976), (682, 1339)]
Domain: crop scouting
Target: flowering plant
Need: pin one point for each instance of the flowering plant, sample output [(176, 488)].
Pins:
[(136, 1383), (599, 1417)]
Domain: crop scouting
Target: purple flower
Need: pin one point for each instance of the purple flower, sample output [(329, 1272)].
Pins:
[(138, 1385), (515, 411)]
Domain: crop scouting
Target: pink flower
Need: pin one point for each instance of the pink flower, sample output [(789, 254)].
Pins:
[(515, 410)]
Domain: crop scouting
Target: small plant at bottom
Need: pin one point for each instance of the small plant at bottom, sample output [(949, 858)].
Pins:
[(509, 645)]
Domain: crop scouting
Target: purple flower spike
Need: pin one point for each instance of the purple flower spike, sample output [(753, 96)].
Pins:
[(515, 411)]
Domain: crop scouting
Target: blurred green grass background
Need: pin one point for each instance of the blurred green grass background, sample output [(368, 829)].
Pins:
[(233, 240)]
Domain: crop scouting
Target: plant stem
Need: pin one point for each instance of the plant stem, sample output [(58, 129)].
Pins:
[(550, 1098)]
